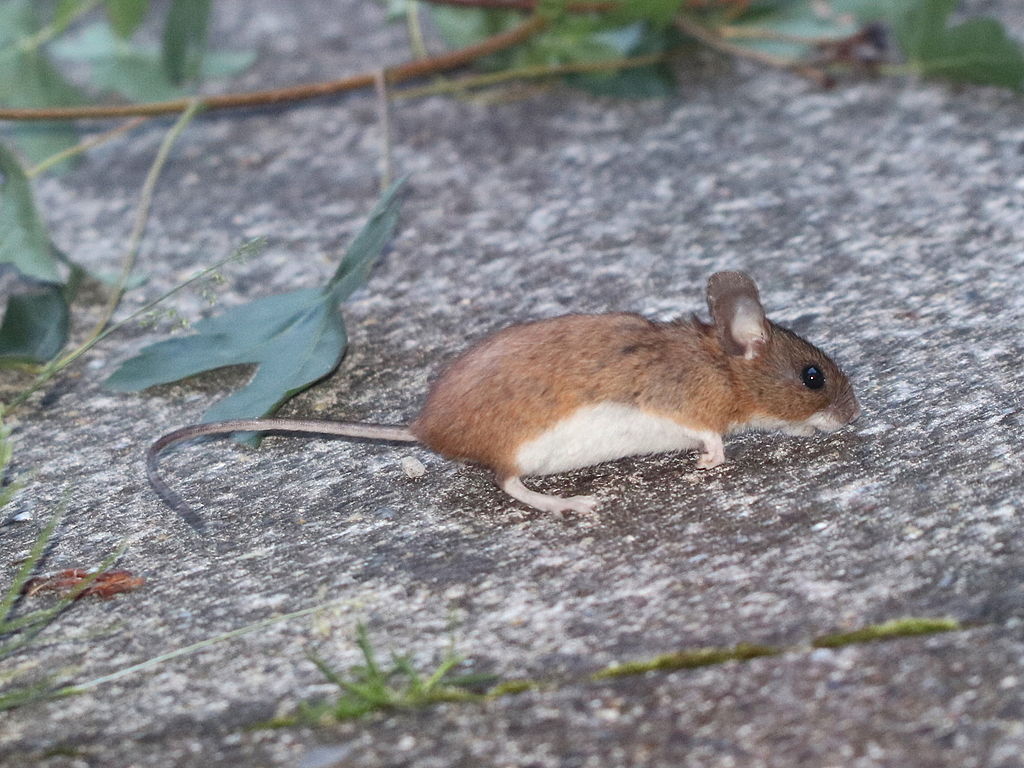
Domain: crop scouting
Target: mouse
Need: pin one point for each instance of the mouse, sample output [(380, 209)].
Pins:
[(557, 394)]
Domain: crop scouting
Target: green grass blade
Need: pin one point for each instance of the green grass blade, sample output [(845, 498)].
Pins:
[(325, 670), (37, 621), (28, 566), (446, 666), (194, 647), (363, 641)]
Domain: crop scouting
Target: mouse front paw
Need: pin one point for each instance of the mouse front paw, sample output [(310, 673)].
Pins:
[(707, 461), (712, 455)]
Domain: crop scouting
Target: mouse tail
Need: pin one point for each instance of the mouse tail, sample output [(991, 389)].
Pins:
[(168, 496), (385, 432)]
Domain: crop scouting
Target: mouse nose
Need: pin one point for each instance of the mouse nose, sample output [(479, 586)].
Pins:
[(856, 412), (847, 405)]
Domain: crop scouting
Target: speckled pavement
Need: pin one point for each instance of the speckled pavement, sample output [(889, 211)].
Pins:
[(883, 220)]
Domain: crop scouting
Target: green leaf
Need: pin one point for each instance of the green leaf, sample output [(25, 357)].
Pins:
[(226, 63), (577, 39), (649, 82), (28, 79), (133, 71), (65, 12), (35, 326), (975, 51), (461, 27), (126, 15), (118, 66), (367, 246), (17, 20), (657, 11), (294, 339), (794, 19), (23, 238), (184, 41), (396, 9), (652, 81), (922, 24), (866, 11)]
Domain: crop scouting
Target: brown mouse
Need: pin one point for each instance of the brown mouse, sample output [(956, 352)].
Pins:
[(553, 395)]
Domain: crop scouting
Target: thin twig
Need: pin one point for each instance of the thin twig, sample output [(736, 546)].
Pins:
[(50, 31), (529, 5), (417, 41), (84, 146), (541, 70), (713, 40), (141, 218), (415, 30), (595, 6), (190, 649), (384, 115), (35, 554), (410, 70), (733, 32)]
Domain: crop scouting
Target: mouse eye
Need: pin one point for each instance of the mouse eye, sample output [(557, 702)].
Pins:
[(813, 377)]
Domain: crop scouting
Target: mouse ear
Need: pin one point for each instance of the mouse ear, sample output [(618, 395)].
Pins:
[(737, 313)]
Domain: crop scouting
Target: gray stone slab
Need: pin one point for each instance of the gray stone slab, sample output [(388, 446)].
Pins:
[(883, 220)]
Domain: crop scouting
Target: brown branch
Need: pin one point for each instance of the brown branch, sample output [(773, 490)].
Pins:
[(528, 5), (595, 6), (410, 70), (524, 73)]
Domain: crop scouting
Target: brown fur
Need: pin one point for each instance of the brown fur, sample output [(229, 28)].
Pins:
[(517, 383), (773, 380)]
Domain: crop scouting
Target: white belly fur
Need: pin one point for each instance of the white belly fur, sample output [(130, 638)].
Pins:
[(603, 432)]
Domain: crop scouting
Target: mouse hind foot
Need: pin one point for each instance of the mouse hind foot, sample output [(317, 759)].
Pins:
[(513, 486)]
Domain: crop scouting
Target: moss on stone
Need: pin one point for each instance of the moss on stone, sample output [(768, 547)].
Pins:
[(907, 627), (699, 657), (512, 687)]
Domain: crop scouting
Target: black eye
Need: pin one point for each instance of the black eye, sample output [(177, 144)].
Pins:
[(813, 377)]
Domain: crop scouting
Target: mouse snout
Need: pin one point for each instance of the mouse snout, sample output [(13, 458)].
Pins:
[(837, 415), (856, 412), (845, 409)]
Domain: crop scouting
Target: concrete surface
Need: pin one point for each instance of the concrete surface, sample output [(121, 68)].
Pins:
[(883, 220)]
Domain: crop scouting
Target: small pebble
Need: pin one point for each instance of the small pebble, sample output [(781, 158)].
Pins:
[(413, 467)]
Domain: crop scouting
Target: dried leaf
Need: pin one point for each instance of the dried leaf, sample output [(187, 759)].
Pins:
[(105, 585)]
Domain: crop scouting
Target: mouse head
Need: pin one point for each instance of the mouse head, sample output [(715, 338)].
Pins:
[(790, 382)]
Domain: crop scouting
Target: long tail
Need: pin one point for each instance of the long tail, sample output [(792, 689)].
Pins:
[(284, 426)]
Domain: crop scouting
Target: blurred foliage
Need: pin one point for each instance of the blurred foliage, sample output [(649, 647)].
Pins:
[(132, 50), (797, 31), (38, 41)]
